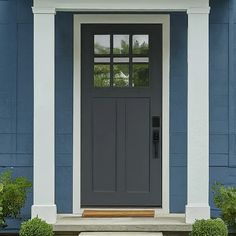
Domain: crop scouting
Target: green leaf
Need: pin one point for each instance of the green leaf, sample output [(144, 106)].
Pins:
[(1, 187)]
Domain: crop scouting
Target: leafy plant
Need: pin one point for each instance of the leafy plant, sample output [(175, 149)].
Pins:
[(2, 222), (210, 227), (225, 200), (12, 195), (36, 227)]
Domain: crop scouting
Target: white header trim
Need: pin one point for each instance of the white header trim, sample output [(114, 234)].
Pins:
[(121, 5), (120, 19)]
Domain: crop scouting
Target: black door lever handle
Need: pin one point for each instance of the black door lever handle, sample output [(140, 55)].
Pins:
[(155, 140)]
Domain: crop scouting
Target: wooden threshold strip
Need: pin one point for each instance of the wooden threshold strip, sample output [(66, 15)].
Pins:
[(118, 213)]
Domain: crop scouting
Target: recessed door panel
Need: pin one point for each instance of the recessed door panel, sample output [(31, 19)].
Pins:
[(137, 145), (104, 145)]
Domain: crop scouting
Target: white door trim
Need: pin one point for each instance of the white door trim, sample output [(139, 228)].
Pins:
[(163, 19)]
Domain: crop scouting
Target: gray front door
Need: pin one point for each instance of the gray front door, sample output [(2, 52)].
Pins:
[(121, 115)]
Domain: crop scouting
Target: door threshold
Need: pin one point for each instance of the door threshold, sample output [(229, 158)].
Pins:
[(118, 213)]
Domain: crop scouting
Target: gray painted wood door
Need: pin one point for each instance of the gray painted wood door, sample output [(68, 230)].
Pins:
[(121, 115)]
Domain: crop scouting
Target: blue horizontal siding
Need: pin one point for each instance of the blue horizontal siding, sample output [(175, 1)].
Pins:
[(64, 111), (16, 100), (178, 113)]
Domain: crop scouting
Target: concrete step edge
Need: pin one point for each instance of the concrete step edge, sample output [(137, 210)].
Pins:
[(120, 234)]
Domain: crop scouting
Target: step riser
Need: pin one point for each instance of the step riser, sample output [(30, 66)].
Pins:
[(120, 234), (148, 234)]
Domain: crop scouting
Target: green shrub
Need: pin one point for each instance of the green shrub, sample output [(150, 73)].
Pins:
[(36, 227), (12, 195), (225, 200), (209, 228), (2, 222)]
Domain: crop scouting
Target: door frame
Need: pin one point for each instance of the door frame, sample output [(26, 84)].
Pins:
[(79, 19)]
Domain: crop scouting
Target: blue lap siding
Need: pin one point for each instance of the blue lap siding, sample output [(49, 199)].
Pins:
[(16, 100)]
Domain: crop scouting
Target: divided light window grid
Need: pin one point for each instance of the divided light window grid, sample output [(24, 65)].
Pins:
[(121, 60)]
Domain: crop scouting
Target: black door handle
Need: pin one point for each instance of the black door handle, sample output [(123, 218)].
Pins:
[(155, 140)]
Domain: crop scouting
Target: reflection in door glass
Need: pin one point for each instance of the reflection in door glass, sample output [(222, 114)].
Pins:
[(140, 75), (121, 44), (121, 75), (102, 44), (101, 75), (140, 44)]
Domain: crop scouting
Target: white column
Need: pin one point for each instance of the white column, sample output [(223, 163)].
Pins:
[(44, 115), (198, 115)]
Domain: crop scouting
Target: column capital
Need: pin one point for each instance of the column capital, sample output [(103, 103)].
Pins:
[(194, 10), (42, 10)]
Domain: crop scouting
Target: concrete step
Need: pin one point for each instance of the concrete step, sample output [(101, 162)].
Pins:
[(165, 224), (120, 234)]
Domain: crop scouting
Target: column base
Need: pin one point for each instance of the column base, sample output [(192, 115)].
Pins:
[(197, 212), (45, 212)]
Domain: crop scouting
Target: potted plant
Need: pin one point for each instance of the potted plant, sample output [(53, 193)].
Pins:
[(210, 227), (36, 227), (13, 193)]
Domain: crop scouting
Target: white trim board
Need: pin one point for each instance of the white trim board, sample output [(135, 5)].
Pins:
[(120, 19), (121, 5)]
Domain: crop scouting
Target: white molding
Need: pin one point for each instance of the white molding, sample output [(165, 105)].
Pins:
[(205, 10), (198, 117), (120, 19), (45, 212), (166, 117), (197, 212), (44, 116), (43, 10), (122, 5), (77, 120)]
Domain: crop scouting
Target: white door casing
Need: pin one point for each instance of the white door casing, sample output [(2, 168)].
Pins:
[(164, 20)]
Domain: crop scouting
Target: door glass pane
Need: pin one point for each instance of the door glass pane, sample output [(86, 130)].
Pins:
[(102, 44), (140, 44), (140, 75), (121, 44), (121, 75), (101, 75)]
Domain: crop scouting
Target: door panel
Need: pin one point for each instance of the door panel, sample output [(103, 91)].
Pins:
[(104, 145), (121, 93), (137, 145)]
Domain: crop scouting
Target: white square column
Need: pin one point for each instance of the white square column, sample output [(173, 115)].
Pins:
[(198, 115), (44, 115)]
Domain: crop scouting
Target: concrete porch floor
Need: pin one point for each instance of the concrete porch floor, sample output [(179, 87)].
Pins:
[(172, 224)]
